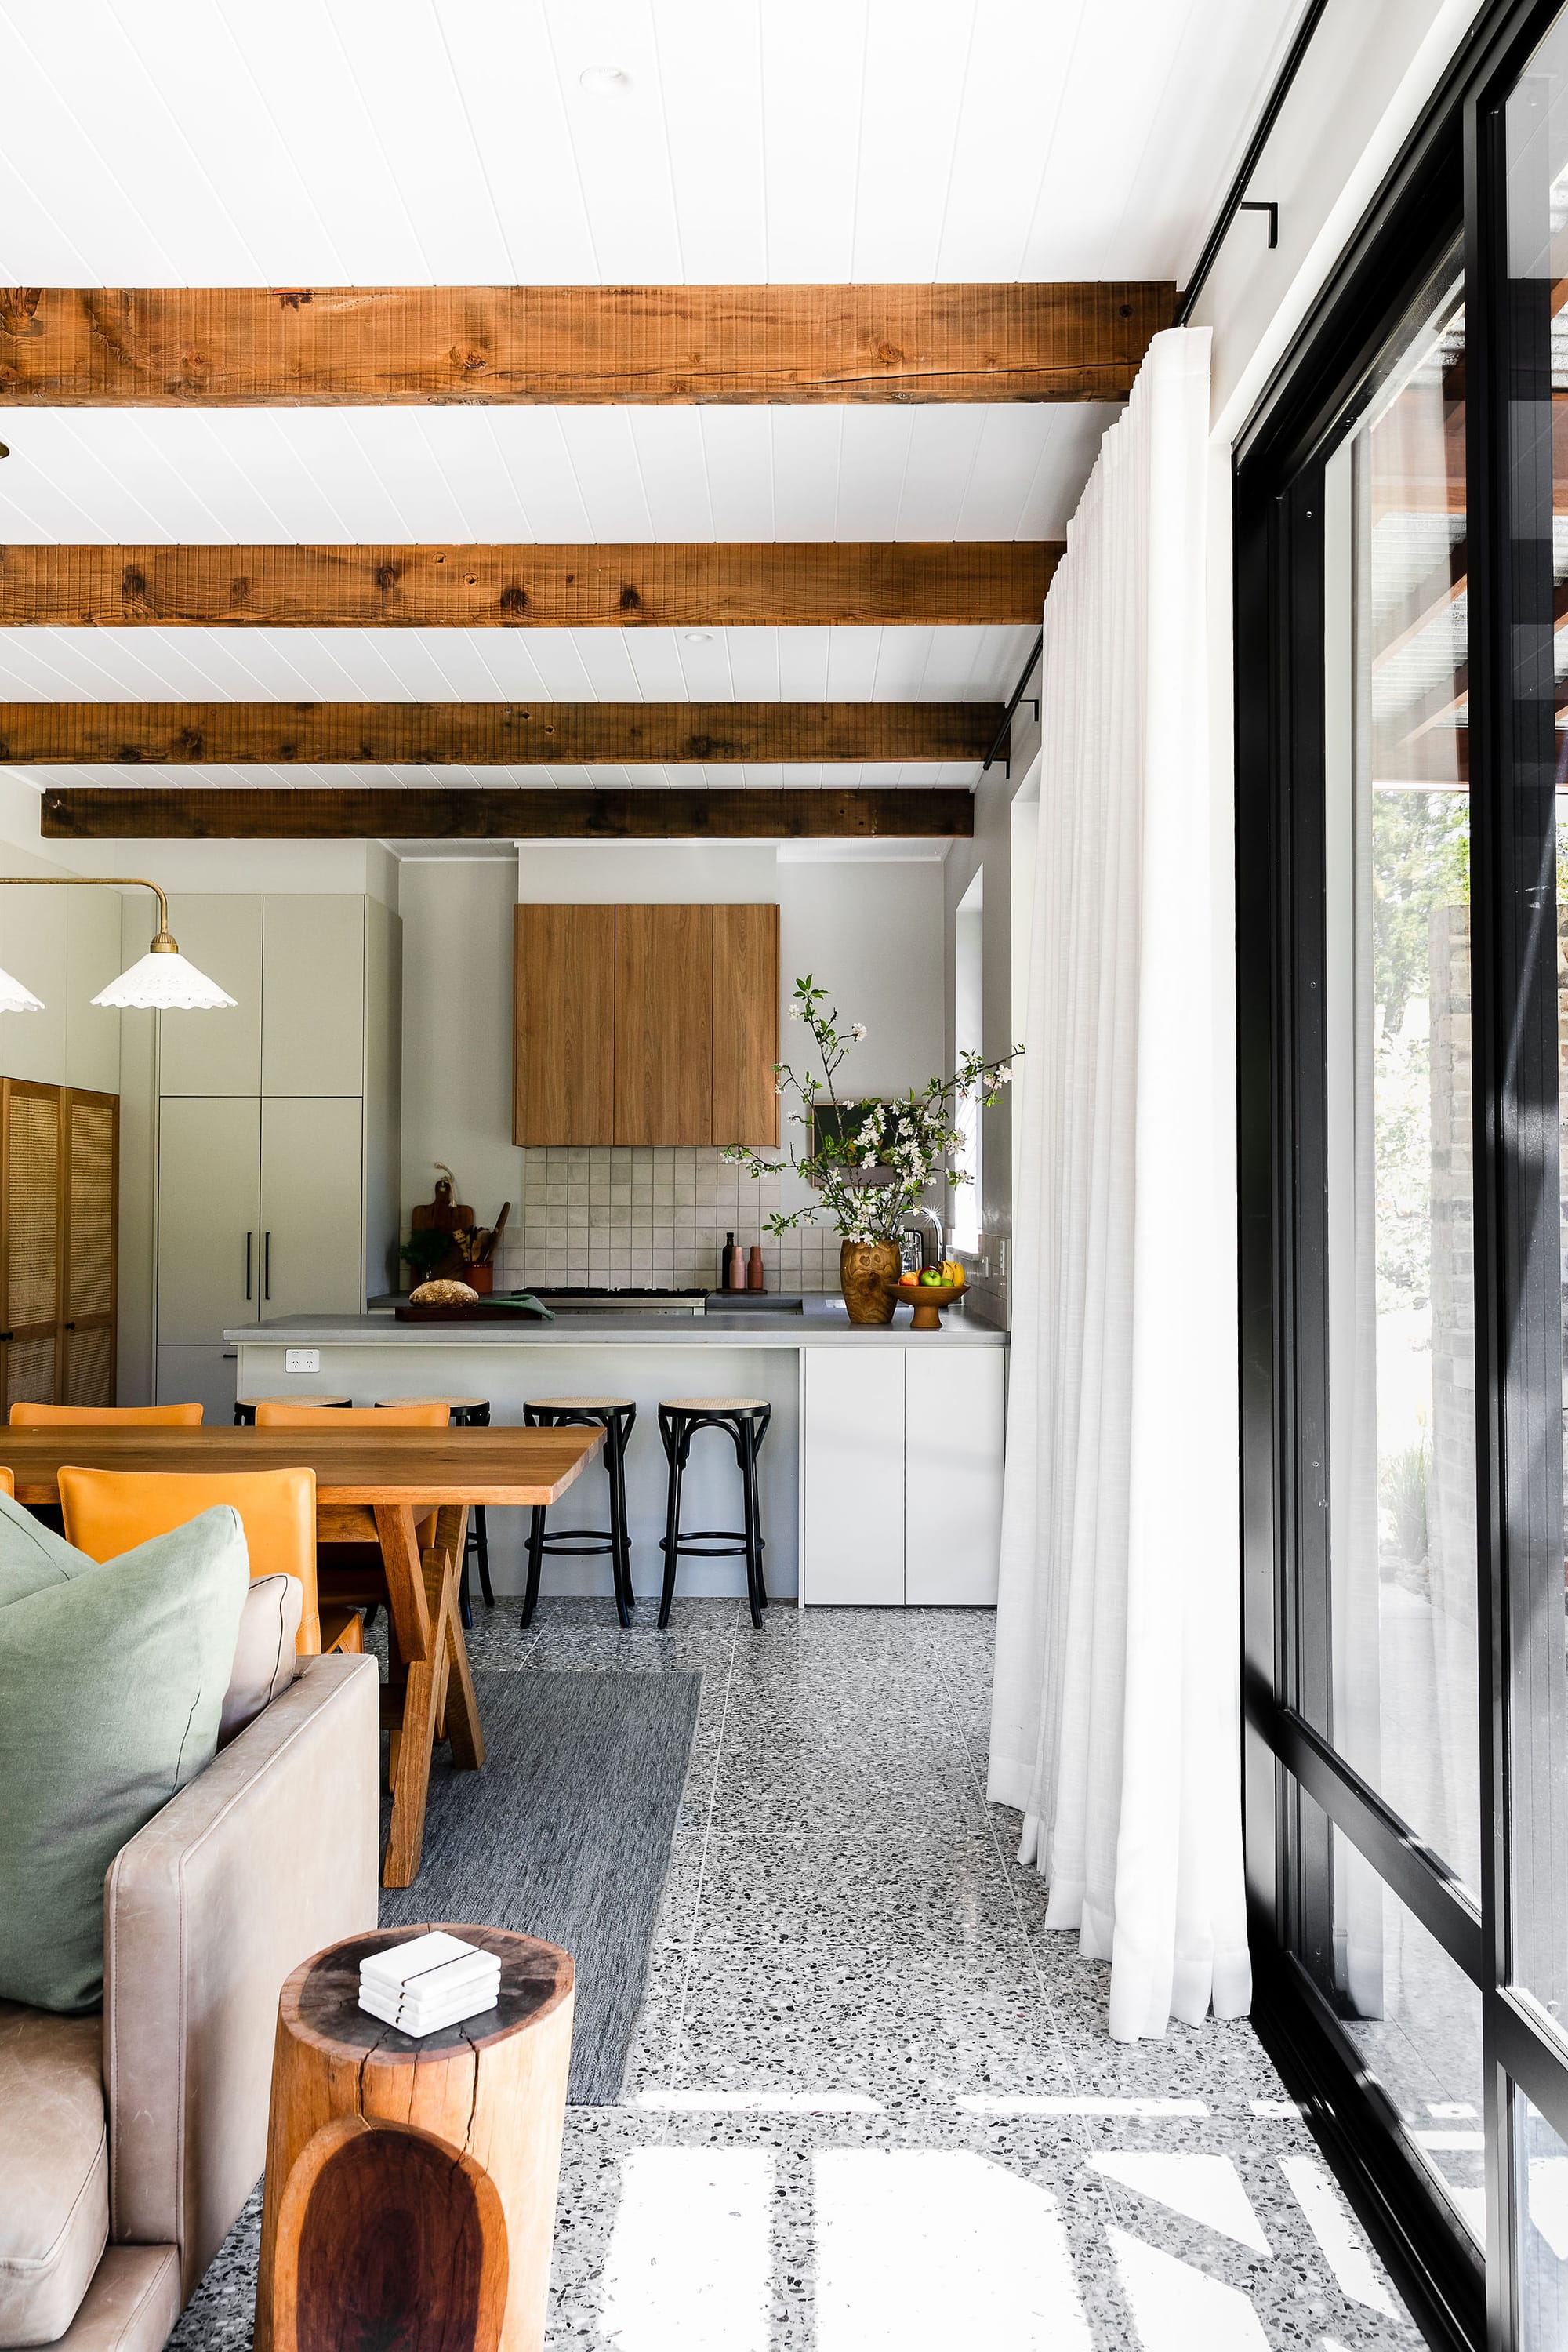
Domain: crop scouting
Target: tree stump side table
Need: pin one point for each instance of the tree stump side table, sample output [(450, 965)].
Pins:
[(410, 2195)]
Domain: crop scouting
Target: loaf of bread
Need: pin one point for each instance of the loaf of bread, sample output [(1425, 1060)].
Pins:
[(441, 1294)]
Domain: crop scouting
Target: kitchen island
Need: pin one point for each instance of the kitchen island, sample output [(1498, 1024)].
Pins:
[(881, 1475)]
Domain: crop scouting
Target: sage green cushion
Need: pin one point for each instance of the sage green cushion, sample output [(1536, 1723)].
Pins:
[(111, 1690)]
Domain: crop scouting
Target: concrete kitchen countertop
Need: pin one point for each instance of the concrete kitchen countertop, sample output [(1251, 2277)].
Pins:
[(822, 1322)]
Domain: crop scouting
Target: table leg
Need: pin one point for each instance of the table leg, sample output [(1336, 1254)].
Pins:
[(411, 1784), (462, 1716), (418, 1645)]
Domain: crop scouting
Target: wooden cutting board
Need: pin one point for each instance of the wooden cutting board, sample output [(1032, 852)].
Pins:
[(441, 1216)]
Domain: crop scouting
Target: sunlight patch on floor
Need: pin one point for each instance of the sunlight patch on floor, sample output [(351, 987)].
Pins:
[(688, 2268), (921, 2249)]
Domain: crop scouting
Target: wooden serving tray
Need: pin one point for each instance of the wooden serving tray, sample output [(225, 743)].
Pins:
[(476, 1311)]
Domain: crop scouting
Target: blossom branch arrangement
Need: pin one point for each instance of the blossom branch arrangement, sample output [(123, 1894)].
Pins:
[(871, 1178)]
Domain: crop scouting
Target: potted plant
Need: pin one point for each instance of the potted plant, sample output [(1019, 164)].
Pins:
[(871, 1175)]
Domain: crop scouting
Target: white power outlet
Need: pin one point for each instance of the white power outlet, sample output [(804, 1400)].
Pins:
[(301, 1360)]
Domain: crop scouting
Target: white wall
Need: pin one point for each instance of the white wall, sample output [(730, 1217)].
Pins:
[(65, 946), (991, 851), (870, 930), (457, 1029), (645, 873)]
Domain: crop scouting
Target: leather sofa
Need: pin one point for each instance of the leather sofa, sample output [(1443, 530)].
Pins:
[(129, 2142)]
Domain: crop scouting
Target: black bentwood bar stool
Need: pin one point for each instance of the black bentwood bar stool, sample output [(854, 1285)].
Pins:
[(616, 1416), (745, 1421)]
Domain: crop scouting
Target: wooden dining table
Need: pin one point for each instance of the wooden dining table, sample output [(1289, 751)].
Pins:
[(372, 1485)]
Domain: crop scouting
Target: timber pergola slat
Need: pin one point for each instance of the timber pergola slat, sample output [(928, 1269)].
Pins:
[(488, 734), (96, 813), (176, 347), (725, 585)]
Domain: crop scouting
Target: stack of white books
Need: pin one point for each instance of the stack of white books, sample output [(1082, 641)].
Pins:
[(436, 1980)]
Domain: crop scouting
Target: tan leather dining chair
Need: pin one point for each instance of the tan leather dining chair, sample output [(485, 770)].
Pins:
[(106, 1416), (352, 1573), (109, 1511)]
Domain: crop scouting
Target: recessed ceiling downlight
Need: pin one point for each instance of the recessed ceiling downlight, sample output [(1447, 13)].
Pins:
[(606, 81)]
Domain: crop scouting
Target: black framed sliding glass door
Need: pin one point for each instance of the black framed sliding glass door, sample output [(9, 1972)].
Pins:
[(1402, 634)]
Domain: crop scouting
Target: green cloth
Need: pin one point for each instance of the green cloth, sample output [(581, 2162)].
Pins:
[(112, 1688)]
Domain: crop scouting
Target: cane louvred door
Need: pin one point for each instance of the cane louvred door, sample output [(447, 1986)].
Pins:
[(90, 1125), (31, 1243)]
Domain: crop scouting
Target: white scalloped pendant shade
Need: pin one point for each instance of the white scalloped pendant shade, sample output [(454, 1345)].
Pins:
[(15, 998), (164, 983)]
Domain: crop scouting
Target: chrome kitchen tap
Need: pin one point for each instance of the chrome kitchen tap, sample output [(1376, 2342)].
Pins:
[(926, 1227)]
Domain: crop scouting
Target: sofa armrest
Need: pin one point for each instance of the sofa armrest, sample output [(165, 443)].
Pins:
[(264, 1857)]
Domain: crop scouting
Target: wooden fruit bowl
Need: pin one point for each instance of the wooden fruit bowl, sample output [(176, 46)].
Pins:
[(927, 1299)]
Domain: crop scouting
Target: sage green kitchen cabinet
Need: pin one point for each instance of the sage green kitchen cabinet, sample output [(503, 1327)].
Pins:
[(259, 1210), (212, 1053), (204, 1376), (311, 1208), (295, 964), (277, 1128), (209, 1216), (312, 995)]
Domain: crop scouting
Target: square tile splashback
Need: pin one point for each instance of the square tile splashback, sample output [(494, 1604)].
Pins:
[(650, 1218)]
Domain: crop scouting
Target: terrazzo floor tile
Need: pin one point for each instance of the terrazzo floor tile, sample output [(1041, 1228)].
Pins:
[(871, 2101)]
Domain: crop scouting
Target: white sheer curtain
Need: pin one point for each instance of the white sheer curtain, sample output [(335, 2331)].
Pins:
[(1115, 1728)]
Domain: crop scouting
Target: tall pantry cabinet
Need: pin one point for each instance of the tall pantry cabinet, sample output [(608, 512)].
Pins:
[(277, 1127)]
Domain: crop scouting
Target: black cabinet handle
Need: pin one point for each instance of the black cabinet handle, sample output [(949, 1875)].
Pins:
[(248, 1239), (266, 1267), (70, 1327)]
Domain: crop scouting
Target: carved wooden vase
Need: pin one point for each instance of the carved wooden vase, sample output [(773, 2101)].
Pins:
[(869, 1277)]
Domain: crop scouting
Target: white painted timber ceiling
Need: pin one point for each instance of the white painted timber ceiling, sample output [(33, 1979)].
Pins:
[(280, 142), (927, 472), (292, 142), (852, 665)]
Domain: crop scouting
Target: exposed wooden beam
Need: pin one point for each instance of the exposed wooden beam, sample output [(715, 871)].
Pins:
[(96, 813), (176, 347), (722, 585), (488, 734)]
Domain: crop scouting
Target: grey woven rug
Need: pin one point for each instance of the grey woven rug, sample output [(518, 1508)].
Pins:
[(565, 1834)]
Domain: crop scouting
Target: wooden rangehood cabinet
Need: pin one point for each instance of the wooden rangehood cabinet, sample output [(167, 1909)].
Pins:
[(646, 1024)]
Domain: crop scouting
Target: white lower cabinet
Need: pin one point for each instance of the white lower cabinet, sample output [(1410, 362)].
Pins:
[(852, 1477), (954, 1421), (901, 1475)]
